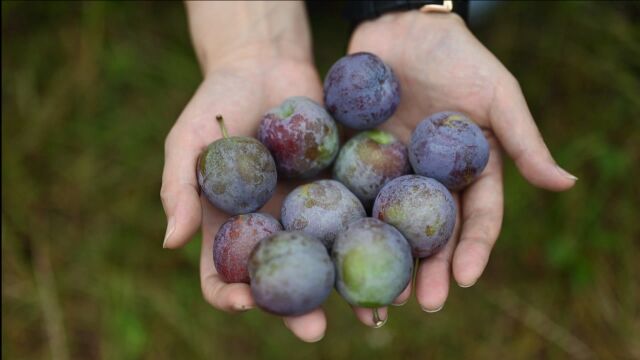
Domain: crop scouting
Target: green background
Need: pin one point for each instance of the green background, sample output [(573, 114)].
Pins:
[(89, 91)]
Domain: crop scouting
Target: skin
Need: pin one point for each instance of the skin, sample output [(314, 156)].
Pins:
[(442, 66), (258, 53)]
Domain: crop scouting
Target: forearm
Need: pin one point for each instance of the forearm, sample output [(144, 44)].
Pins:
[(224, 32)]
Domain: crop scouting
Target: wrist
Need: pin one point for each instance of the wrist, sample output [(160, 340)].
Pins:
[(227, 32), (399, 25), (254, 54), (363, 10), (410, 17)]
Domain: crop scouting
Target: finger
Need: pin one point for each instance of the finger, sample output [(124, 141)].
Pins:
[(517, 132), (367, 317), (432, 278), (227, 297), (179, 191), (223, 296), (308, 327), (482, 209), (403, 297), (195, 129)]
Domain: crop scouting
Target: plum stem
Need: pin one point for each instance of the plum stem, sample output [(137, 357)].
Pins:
[(377, 322), (223, 128)]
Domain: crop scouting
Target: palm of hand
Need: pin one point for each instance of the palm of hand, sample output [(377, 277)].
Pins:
[(242, 93), (441, 66)]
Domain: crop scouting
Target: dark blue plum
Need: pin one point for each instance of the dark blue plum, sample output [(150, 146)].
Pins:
[(421, 208), (291, 273), (237, 174), (450, 148), (321, 209), (361, 91)]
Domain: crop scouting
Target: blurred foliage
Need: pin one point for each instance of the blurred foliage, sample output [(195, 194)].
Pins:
[(89, 91)]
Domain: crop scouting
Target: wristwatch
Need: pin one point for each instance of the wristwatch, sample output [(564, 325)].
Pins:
[(358, 11)]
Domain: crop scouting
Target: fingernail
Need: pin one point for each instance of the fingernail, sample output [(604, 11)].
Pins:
[(430, 311), (565, 173), (377, 321), (171, 226), (242, 307), (467, 285), (316, 339), (400, 304)]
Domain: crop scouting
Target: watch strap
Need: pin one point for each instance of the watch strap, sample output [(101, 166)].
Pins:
[(359, 11)]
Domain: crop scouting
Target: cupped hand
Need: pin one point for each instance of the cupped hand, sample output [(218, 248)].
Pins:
[(241, 89), (442, 66)]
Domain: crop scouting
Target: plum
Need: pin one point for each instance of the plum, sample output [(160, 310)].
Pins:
[(291, 273), (235, 240), (373, 263), (321, 209), (421, 208), (237, 174), (368, 161), (361, 91), (449, 147), (302, 137)]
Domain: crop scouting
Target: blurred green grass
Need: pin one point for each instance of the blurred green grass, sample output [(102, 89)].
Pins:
[(89, 90)]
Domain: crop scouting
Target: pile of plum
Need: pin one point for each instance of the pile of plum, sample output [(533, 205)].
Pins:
[(325, 237)]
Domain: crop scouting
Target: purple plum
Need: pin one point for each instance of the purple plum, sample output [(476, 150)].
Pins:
[(449, 147), (373, 263), (368, 161), (421, 208), (321, 209), (302, 137), (291, 273), (235, 240), (237, 174), (361, 91)]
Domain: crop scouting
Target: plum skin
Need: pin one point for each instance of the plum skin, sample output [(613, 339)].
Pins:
[(321, 209), (361, 91), (368, 161), (373, 263), (421, 208), (235, 240), (237, 174), (302, 137), (291, 273), (450, 148)]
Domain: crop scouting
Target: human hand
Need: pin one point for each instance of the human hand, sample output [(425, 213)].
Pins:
[(442, 66), (241, 90)]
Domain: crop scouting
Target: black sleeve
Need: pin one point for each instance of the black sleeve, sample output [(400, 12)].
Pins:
[(357, 11)]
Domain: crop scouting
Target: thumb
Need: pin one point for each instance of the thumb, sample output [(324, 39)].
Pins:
[(179, 191), (518, 134)]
